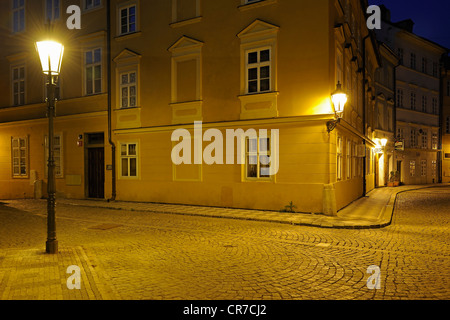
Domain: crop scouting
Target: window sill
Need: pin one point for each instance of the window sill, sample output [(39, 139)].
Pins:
[(258, 4), (128, 36), (183, 23)]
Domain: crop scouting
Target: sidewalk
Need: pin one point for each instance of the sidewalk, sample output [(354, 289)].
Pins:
[(373, 211)]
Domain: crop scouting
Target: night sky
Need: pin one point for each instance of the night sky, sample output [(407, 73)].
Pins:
[(431, 17)]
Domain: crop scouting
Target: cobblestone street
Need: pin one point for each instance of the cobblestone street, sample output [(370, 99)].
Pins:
[(127, 254)]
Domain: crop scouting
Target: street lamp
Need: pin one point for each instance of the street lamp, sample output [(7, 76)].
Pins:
[(51, 54), (339, 99)]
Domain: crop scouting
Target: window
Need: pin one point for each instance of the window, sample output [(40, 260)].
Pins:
[(93, 69), (435, 106), (57, 154), (435, 69), (258, 66), (20, 157), (400, 55), (18, 15), (413, 101), (413, 141), (339, 158), (128, 160), (412, 168), (424, 65), (400, 98), (186, 11), (257, 154), (433, 168), (349, 159), (91, 4), (423, 170), (18, 85), (413, 61), (52, 10), (128, 20), (400, 134), (424, 103), (434, 141), (128, 92), (425, 140)]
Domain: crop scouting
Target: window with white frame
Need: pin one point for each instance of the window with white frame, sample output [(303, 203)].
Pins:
[(19, 157), (93, 71), (128, 90), (91, 4), (128, 19), (435, 141), (57, 154), (339, 159), (433, 168), (52, 10), (412, 168), (257, 158), (423, 170), (18, 15), (258, 70), (129, 160), (18, 85)]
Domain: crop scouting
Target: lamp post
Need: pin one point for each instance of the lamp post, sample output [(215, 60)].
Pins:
[(339, 99), (50, 54)]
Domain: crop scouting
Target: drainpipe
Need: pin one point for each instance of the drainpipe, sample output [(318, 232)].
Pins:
[(364, 113), (113, 146)]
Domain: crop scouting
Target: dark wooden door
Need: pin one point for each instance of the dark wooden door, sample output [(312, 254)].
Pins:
[(96, 173)]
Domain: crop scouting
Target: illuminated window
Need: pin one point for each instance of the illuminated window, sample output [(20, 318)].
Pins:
[(434, 141), (412, 168), (425, 140), (128, 90), (339, 158), (257, 155), (129, 160), (433, 168), (19, 157)]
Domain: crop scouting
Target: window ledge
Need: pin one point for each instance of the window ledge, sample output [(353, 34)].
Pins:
[(128, 36), (186, 22), (258, 4)]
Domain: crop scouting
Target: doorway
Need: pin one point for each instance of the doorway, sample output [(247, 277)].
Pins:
[(95, 166)]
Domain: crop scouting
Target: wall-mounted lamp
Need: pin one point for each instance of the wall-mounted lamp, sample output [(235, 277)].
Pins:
[(339, 99)]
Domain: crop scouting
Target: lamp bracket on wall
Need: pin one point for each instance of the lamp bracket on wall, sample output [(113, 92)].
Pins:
[(331, 125)]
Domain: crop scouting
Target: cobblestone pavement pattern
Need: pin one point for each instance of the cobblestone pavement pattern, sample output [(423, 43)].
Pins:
[(125, 254)]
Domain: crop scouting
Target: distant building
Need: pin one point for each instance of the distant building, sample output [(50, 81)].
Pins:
[(417, 101)]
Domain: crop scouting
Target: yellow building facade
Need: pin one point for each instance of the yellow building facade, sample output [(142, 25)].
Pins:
[(446, 121), (263, 65)]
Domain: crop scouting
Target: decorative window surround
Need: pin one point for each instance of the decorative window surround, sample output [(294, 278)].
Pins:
[(248, 4), (257, 36), (186, 49)]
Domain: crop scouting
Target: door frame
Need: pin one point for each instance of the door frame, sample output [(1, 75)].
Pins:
[(88, 146)]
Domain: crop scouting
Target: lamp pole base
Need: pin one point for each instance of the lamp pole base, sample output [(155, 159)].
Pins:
[(51, 247)]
